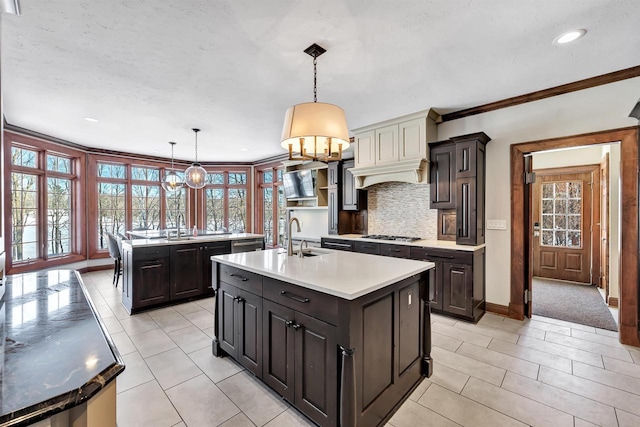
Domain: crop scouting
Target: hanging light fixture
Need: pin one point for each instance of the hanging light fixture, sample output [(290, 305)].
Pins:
[(171, 181), (195, 175), (315, 130)]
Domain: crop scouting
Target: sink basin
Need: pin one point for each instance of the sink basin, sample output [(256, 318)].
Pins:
[(308, 252)]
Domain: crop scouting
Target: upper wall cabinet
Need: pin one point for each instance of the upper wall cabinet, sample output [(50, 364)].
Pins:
[(394, 150)]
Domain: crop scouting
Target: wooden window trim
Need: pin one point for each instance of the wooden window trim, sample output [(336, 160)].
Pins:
[(78, 161)]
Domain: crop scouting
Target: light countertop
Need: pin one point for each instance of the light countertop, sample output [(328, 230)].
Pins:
[(436, 244), (346, 275), (136, 243)]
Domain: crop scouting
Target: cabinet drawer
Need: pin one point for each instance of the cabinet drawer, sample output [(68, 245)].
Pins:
[(367, 248), (307, 301), (154, 252), (339, 244), (442, 255), (241, 279), (398, 251)]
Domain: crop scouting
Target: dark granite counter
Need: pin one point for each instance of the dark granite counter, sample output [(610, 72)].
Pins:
[(56, 353)]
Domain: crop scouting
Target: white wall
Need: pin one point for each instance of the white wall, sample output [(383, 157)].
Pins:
[(591, 155), (596, 109)]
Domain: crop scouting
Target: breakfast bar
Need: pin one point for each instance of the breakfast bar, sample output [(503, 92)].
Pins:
[(344, 337)]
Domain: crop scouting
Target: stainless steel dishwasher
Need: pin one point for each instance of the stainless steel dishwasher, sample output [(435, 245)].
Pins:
[(247, 245)]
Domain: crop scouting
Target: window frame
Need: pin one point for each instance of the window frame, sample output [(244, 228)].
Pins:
[(275, 184), (226, 171), (77, 175)]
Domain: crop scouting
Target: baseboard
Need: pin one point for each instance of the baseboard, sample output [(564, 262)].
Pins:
[(613, 302), (95, 268), (502, 310)]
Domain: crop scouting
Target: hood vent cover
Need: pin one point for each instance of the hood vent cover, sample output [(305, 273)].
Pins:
[(413, 171)]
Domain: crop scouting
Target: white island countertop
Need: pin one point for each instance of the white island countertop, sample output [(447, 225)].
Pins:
[(138, 243), (342, 274), (424, 243)]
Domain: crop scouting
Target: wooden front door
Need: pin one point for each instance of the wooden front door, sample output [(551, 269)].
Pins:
[(562, 219)]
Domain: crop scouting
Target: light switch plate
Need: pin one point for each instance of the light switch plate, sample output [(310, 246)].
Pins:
[(496, 224)]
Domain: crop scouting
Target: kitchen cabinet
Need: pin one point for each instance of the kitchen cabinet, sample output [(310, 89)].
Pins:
[(349, 217), (338, 244), (352, 198), (366, 247), (458, 182), (470, 188), (299, 361), (149, 266), (396, 251), (186, 276), (364, 148), (240, 314), (321, 352), (442, 175), (159, 275), (459, 289), (386, 146), (402, 138)]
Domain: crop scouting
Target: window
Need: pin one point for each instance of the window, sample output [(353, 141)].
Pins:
[(145, 198), (272, 201), (112, 208), (226, 201), (44, 224), (561, 214)]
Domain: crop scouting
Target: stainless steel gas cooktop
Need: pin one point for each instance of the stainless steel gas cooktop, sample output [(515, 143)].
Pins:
[(394, 238)]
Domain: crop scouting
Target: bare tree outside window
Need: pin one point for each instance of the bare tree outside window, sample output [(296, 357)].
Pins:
[(59, 216)]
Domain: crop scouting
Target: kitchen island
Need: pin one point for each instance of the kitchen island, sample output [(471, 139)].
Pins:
[(161, 271), (344, 337), (57, 362)]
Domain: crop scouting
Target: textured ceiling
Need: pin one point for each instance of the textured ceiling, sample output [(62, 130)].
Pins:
[(149, 71)]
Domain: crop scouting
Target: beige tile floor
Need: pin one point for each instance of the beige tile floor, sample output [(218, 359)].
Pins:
[(500, 372)]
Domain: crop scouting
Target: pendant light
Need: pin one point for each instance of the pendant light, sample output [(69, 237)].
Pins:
[(171, 181), (315, 130), (195, 175)]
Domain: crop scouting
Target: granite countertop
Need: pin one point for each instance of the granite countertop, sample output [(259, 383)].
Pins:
[(436, 244), (57, 353), (346, 275), (189, 240)]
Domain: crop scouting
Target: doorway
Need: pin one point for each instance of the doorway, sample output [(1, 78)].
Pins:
[(566, 213), (521, 260)]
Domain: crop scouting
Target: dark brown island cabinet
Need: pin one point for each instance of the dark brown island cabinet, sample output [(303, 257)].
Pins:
[(457, 176), (162, 274), (340, 362)]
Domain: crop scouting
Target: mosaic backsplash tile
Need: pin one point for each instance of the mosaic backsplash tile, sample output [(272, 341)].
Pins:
[(402, 209)]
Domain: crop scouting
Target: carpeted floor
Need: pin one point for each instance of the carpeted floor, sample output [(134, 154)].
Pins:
[(571, 302)]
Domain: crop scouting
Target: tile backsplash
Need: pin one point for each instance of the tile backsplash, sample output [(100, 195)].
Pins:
[(402, 209)]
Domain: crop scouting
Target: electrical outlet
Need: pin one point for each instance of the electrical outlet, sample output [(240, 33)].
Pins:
[(496, 224)]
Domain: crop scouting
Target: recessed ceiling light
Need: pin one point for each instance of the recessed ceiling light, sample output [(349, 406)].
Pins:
[(569, 36), (244, 149), (90, 119)]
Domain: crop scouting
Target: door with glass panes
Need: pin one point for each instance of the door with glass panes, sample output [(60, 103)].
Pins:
[(562, 220)]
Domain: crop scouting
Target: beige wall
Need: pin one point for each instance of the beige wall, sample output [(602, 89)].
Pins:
[(590, 110)]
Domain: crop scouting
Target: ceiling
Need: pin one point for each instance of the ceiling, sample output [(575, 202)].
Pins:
[(149, 71)]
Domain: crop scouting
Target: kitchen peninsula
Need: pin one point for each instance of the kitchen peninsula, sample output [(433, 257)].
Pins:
[(161, 271), (344, 337)]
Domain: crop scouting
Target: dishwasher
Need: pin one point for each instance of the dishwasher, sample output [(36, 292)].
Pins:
[(247, 245)]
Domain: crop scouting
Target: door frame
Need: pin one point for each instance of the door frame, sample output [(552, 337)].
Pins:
[(594, 233), (520, 222), (605, 217)]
